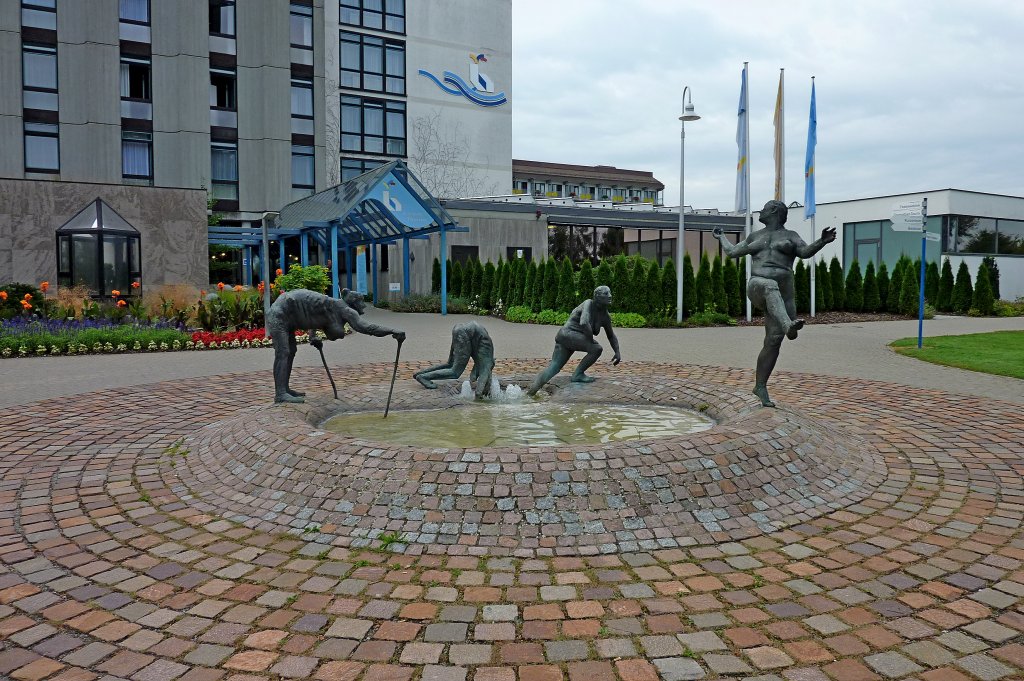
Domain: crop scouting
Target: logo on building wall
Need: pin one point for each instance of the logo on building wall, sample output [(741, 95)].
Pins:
[(479, 89)]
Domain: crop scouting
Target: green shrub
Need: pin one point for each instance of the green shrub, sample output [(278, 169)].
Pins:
[(824, 282), (448, 275), (537, 293), (515, 288), (429, 303), (705, 287), (993, 274), (637, 297), (931, 282), (854, 288), (883, 287), (910, 292), (620, 287), (531, 274), (15, 294), (835, 273), (1004, 308), (456, 280), (550, 285), (604, 276), (628, 320), (549, 316), (566, 300), (944, 298), (983, 300), (733, 287), (669, 285), (585, 283), (487, 285), (963, 291), (871, 300), (709, 318), (892, 300), (652, 289), (311, 277), (689, 287), (718, 286), (502, 284), (435, 277), (520, 314), (802, 288)]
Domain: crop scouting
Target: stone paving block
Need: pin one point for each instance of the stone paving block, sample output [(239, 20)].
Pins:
[(678, 668), (726, 664), (892, 665), (984, 667), (701, 641)]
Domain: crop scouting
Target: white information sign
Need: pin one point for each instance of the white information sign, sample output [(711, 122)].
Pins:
[(394, 286), (908, 216), (932, 236)]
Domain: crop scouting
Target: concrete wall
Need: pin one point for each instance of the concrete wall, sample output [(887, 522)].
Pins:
[(12, 150), (171, 222), (441, 38)]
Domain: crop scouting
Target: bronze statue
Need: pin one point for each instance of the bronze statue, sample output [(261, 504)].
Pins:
[(773, 251), (577, 334), (311, 311), (469, 340)]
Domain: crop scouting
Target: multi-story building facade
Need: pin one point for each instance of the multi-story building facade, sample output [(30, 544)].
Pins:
[(154, 106), (585, 183)]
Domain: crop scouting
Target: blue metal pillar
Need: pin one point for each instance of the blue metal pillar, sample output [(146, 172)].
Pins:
[(304, 249), (350, 261), (336, 291), (373, 270), (247, 266), (283, 264), (406, 263), (444, 272)]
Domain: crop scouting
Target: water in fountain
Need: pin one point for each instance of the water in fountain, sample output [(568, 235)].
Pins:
[(512, 392)]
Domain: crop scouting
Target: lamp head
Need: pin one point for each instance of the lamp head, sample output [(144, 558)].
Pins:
[(688, 114)]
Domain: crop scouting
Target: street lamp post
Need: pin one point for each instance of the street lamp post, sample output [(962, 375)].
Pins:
[(688, 115)]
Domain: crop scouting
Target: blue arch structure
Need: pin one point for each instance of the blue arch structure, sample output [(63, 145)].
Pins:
[(382, 206)]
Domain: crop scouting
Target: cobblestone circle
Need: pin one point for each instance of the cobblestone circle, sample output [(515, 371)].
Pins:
[(188, 531)]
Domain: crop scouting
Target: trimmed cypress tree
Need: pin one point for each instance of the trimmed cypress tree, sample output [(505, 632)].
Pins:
[(500, 293), (854, 288), (984, 301), (802, 291), (527, 298), (718, 284), (931, 282), (487, 285), (435, 277), (468, 272), (456, 288), (705, 287), (835, 272), (550, 285), (824, 282), (689, 287), (871, 300), (669, 282), (883, 286), (585, 283), (637, 281), (515, 291), (819, 292), (944, 299), (566, 299), (450, 272), (604, 276), (620, 284), (910, 292), (732, 287), (478, 277), (653, 291), (537, 293), (963, 292), (892, 299), (993, 275)]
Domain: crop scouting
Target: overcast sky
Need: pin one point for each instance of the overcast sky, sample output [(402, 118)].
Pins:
[(911, 95)]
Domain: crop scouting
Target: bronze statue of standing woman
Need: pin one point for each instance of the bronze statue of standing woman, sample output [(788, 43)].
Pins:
[(772, 251)]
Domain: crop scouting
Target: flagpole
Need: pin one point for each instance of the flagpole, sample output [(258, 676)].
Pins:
[(814, 267), (814, 213), (748, 222)]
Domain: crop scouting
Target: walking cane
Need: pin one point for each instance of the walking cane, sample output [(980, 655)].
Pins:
[(329, 377), (393, 375)]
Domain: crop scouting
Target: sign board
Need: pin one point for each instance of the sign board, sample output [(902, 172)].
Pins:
[(361, 270), (908, 216), (394, 287), (932, 236)]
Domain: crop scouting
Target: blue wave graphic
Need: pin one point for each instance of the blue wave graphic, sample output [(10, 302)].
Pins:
[(463, 89)]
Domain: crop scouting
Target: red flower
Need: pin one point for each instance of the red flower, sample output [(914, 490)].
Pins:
[(3, 294), (115, 293), (220, 286), (44, 287), (136, 284), (122, 303), (279, 272)]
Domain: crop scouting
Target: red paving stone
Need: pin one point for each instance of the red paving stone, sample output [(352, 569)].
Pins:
[(851, 522)]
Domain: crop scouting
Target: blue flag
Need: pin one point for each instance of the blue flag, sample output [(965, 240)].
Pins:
[(812, 141), (743, 153)]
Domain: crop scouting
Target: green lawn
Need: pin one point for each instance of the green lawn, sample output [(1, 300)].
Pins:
[(999, 352)]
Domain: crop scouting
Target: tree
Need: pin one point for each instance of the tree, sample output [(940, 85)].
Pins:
[(689, 287), (566, 300), (892, 300), (500, 292), (620, 289), (963, 292), (669, 283), (854, 288), (456, 287), (883, 287), (435, 277), (910, 291), (612, 243), (993, 272), (604, 276), (931, 282), (550, 285), (871, 300), (575, 243), (835, 273), (439, 155), (537, 289), (448, 274), (527, 295), (944, 299), (653, 291), (586, 284), (984, 301), (637, 294), (718, 286), (705, 287), (824, 282), (732, 287), (468, 272), (802, 288), (487, 286), (515, 288)]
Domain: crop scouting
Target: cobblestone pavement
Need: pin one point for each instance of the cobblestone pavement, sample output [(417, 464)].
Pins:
[(178, 531)]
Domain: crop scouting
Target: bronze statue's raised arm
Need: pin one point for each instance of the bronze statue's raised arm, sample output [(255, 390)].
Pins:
[(360, 325), (739, 250), (828, 235)]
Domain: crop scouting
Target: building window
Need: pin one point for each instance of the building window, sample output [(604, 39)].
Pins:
[(39, 77), (373, 126), (382, 15), (988, 236), (354, 167), (303, 173), (42, 148), (222, 18), (302, 107), (39, 14), (135, 83), (224, 170), (301, 26), (137, 155), (372, 63), (464, 255), (134, 11), (222, 89)]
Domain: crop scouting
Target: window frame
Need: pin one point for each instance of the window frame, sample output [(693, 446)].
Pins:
[(39, 6), (149, 14), (371, 104), (214, 181), (226, 73), (303, 11), (44, 135), (361, 74), (388, 19), (148, 140), (222, 4), (129, 61), (300, 151)]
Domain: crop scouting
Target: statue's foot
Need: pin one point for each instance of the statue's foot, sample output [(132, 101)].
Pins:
[(762, 392), (289, 398), (794, 328), (295, 393), (426, 383), (582, 378)]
